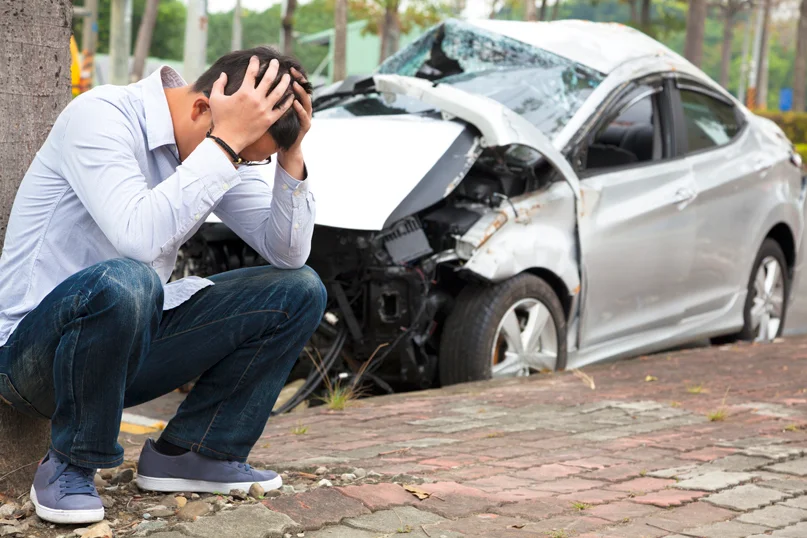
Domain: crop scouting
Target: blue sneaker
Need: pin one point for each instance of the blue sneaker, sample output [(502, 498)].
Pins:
[(64, 493), (194, 472)]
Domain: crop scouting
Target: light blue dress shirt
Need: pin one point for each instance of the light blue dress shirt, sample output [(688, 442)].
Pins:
[(108, 183)]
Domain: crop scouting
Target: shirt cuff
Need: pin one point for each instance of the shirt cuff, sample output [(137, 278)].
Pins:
[(213, 168)]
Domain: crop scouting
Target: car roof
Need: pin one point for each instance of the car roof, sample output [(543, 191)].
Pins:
[(599, 45)]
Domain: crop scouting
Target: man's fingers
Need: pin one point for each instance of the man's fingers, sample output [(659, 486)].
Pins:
[(252, 73), (219, 85), (303, 98), (277, 94), (268, 78)]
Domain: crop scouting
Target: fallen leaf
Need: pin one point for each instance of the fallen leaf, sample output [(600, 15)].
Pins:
[(650, 378), (417, 492)]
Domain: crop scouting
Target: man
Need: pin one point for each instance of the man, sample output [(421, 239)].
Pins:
[(88, 325)]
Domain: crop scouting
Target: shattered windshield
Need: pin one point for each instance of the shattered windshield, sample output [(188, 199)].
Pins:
[(544, 88)]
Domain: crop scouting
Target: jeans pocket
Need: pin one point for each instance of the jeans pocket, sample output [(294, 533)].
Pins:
[(9, 395)]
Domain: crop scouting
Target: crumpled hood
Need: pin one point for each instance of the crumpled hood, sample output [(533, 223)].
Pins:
[(362, 168)]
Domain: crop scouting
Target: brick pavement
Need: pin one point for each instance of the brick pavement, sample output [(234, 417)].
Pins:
[(547, 456)]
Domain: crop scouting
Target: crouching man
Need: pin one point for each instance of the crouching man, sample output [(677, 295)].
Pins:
[(88, 323)]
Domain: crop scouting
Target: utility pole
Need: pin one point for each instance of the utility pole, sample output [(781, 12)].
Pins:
[(751, 98), (195, 40), (237, 42), (120, 40), (744, 64)]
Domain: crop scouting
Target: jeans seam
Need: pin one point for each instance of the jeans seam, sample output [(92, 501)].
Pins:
[(220, 320), (73, 458)]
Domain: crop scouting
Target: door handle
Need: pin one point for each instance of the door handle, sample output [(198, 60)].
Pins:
[(684, 196)]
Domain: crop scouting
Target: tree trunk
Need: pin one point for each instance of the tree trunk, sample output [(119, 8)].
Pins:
[(555, 8), (35, 62), (340, 41), (542, 13), (390, 30), (529, 10), (144, 39), (800, 65), (728, 36), (237, 41), (288, 27), (644, 22), (696, 26)]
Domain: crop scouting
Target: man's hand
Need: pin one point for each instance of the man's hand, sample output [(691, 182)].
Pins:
[(292, 159), (243, 117)]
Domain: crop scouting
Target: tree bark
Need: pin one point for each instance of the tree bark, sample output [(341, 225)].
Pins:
[(644, 21), (542, 13), (696, 26), (340, 41), (390, 30), (143, 43), (288, 27), (728, 37), (800, 65), (35, 62), (529, 10)]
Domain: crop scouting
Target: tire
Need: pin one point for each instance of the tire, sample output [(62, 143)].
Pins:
[(751, 328), (467, 344)]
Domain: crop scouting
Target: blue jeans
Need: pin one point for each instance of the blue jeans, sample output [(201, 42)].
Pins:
[(100, 342)]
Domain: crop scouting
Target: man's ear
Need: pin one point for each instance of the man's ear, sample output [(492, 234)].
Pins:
[(201, 108)]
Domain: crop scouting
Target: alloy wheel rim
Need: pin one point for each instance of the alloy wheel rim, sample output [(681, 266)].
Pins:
[(526, 339), (767, 307)]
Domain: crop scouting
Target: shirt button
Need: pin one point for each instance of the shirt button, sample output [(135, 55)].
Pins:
[(297, 226)]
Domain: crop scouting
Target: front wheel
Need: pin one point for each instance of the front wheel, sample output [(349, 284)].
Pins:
[(512, 328), (768, 290)]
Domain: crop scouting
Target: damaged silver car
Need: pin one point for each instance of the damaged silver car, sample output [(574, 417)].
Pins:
[(502, 198)]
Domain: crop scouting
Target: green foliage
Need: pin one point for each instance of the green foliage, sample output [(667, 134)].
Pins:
[(794, 124)]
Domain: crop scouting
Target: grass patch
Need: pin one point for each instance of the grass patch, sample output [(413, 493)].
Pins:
[(580, 506), (697, 389), (299, 430)]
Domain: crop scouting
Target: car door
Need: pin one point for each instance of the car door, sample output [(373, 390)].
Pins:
[(728, 169), (639, 231)]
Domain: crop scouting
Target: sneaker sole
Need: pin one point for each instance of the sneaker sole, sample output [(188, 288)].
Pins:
[(178, 485), (55, 515)]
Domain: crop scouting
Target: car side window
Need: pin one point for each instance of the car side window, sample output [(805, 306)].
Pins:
[(709, 122), (633, 137)]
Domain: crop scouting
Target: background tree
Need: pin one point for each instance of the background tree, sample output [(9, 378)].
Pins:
[(696, 27), (144, 34), (340, 40), (35, 62), (800, 66)]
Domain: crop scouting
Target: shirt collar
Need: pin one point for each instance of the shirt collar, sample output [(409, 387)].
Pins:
[(159, 127)]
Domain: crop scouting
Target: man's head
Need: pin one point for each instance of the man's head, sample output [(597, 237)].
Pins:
[(285, 131)]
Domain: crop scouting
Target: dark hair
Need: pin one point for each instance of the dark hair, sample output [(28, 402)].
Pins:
[(286, 130)]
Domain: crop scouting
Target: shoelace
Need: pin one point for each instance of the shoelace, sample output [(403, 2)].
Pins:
[(73, 480)]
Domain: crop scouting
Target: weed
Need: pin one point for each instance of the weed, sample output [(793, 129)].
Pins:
[(299, 429), (338, 396), (580, 506)]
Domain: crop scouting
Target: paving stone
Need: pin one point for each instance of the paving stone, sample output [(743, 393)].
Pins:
[(620, 511), (340, 532), (714, 481), (390, 521), (669, 497), (643, 484), (747, 497), (796, 467), (725, 529), (316, 508), (250, 521), (379, 496), (775, 516)]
